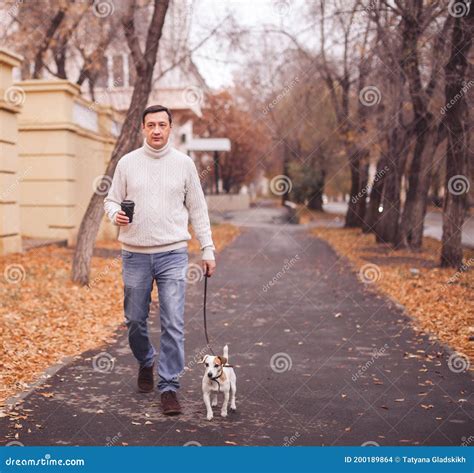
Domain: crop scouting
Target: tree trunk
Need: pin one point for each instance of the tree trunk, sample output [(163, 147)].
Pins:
[(386, 226), (362, 202), (359, 176), (411, 227), (352, 218), (457, 120), (315, 202), (372, 213), (39, 57), (60, 60), (130, 136)]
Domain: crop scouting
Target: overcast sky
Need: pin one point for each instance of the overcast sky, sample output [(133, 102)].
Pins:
[(217, 64)]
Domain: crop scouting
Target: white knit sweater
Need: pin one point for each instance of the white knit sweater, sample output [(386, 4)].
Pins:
[(165, 186)]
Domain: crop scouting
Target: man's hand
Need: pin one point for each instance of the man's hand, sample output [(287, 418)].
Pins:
[(121, 218), (208, 266)]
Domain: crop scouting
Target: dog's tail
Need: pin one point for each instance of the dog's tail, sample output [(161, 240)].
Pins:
[(226, 353)]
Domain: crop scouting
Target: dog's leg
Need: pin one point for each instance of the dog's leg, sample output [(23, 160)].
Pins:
[(207, 401), (224, 404), (233, 387), (214, 400)]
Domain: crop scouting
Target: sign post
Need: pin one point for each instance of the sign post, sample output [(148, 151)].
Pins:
[(211, 144)]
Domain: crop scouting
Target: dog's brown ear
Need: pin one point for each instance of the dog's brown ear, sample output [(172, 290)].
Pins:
[(223, 360), (203, 360)]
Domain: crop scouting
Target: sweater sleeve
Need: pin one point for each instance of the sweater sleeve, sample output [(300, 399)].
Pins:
[(196, 204), (116, 194)]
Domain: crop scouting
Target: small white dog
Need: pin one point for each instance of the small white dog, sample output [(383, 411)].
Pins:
[(218, 377)]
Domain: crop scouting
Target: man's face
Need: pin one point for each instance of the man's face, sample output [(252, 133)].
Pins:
[(156, 129)]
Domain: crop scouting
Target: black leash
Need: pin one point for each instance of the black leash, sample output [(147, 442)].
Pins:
[(205, 327), (205, 318)]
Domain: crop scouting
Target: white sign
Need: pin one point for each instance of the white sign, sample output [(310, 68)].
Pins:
[(209, 144)]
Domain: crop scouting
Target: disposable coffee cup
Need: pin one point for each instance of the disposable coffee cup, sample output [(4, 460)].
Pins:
[(128, 207)]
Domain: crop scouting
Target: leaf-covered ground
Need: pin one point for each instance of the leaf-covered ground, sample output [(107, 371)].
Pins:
[(44, 317), (439, 300)]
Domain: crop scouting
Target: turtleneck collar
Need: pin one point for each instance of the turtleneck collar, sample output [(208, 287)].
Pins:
[(156, 153)]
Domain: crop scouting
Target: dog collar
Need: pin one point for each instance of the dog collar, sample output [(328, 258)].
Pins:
[(218, 384), (216, 379)]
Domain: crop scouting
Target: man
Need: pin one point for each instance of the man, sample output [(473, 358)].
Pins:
[(165, 187)]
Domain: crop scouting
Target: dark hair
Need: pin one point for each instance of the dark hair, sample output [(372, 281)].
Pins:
[(154, 109)]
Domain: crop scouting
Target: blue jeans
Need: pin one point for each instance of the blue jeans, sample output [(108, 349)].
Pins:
[(168, 268)]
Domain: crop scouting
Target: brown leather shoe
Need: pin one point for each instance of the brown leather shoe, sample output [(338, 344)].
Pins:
[(170, 403), (145, 379)]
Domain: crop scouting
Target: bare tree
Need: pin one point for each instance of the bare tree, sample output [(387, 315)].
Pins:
[(354, 69), (54, 25), (457, 123), (52, 36), (385, 199), (414, 16), (401, 27), (129, 139)]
